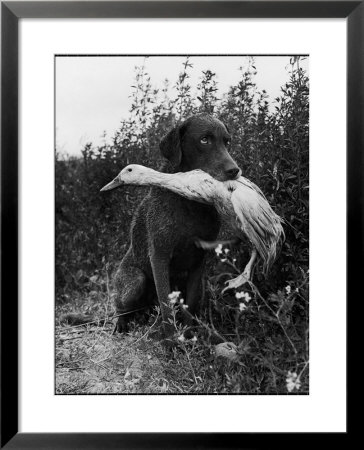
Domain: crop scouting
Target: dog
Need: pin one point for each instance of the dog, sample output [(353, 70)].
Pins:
[(165, 226)]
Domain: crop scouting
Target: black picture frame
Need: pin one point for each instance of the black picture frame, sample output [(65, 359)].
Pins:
[(11, 12)]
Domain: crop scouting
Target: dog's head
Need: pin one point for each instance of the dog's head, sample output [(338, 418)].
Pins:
[(201, 142)]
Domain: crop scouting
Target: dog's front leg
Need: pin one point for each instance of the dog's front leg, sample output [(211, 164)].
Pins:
[(195, 293), (160, 262), (195, 288)]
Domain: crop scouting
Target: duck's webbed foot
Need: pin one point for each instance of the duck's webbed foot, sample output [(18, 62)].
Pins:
[(244, 277), (240, 280)]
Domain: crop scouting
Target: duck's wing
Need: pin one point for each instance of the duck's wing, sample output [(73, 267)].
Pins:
[(258, 221), (249, 184), (194, 185), (203, 185)]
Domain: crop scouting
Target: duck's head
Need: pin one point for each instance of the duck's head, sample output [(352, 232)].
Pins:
[(131, 174)]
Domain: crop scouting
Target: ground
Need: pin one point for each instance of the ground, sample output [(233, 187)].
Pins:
[(92, 360), (255, 359)]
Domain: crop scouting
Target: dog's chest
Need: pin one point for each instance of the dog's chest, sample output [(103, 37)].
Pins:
[(174, 219), (199, 220)]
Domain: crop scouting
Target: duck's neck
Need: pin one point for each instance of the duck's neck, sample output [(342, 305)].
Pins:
[(154, 178), (180, 183)]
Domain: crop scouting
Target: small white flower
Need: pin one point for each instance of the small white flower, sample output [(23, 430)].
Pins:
[(247, 297), (223, 259), (184, 306), (297, 290), (218, 250), (288, 289), (181, 338), (234, 260), (242, 306), (292, 381), (173, 297), (226, 251), (243, 295), (194, 339), (181, 300)]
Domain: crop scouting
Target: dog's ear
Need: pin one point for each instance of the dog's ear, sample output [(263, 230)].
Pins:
[(170, 146)]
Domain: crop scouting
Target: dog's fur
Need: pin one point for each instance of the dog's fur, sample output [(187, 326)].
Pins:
[(162, 252)]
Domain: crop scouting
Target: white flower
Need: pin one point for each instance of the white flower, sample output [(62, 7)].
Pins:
[(288, 289), (181, 338), (292, 381), (173, 297), (194, 339), (218, 250), (181, 300), (242, 306), (184, 306), (226, 251), (243, 295), (223, 259)]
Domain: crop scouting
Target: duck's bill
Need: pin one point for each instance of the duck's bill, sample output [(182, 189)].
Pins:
[(115, 183)]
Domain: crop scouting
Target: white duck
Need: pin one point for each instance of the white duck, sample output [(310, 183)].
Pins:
[(239, 202)]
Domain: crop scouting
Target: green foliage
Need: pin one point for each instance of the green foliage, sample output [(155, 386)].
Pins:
[(270, 142)]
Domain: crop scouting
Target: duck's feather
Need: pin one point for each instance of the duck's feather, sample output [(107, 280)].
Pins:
[(241, 203), (258, 221)]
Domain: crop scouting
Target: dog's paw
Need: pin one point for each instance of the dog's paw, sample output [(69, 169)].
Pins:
[(169, 344), (121, 326)]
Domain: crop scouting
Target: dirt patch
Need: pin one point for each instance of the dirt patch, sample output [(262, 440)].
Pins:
[(93, 361)]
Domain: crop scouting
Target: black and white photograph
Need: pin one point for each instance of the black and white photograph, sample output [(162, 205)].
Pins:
[(181, 224)]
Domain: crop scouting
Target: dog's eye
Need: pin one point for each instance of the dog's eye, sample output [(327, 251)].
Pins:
[(204, 140), (129, 170)]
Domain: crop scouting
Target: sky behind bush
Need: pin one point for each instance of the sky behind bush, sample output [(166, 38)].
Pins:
[(93, 93)]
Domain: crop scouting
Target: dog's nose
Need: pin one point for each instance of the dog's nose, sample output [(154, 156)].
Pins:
[(233, 173)]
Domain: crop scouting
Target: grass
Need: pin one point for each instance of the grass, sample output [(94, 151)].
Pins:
[(269, 348), (90, 360)]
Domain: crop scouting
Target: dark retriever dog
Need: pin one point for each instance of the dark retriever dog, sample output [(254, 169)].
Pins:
[(162, 252)]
